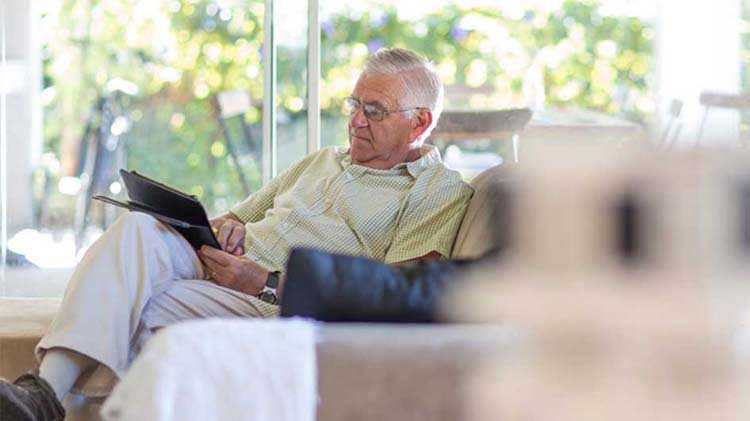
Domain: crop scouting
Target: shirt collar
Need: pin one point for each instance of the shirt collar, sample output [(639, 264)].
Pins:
[(430, 157)]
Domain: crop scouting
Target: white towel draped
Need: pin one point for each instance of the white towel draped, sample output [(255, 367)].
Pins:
[(222, 369)]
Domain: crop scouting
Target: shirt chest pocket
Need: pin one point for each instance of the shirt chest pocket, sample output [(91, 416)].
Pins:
[(371, 213), (307, 198)]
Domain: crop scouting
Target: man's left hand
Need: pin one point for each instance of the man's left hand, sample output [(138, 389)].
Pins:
[(239, 273)]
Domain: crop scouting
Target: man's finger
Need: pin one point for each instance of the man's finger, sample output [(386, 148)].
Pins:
[(206, 257), (214, 270), (209, 262), (221, 257), (209, 266), (225, 231), (235, 240)]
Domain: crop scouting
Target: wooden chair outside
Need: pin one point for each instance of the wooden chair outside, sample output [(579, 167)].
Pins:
[(501, 125), (711, 100), (673, 127), (229, 106)]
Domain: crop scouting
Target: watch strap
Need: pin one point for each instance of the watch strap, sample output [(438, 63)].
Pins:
[(273, 280)]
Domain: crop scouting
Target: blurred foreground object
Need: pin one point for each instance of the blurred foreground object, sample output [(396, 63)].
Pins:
[(626, 273)]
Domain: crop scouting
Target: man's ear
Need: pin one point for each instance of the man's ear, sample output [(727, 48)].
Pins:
[(420, 123)]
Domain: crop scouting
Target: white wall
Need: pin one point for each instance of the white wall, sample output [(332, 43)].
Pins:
[(698, 48), (24, 131)]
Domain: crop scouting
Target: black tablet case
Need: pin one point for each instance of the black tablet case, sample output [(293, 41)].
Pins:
[(184, 212)]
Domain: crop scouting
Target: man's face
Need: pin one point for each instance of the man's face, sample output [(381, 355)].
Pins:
[(380, 144)]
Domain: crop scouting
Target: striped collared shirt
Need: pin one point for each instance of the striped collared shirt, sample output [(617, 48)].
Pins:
[(326, 202)]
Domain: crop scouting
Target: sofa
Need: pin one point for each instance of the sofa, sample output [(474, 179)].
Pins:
[(366, 371)]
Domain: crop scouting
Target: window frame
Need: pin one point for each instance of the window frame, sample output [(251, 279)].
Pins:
[(270, 146)]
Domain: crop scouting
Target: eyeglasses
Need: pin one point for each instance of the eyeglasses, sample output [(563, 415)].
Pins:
[(373, 112)]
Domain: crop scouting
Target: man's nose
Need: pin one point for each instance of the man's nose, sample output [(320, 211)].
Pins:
[(358, 119)]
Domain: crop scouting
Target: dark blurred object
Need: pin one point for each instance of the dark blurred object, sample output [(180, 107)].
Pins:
[(337, 288), (13, 259), (103, 149)]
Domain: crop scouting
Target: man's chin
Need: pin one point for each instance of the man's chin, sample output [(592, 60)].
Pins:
[(358, 151), (356, 156)]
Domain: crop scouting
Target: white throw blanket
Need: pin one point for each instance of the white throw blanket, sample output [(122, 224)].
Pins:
[(220, 369)]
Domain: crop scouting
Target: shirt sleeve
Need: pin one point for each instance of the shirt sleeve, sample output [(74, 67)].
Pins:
[(431, 224), (254, 208)]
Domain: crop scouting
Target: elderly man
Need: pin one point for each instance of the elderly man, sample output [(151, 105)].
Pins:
[(387, 197)]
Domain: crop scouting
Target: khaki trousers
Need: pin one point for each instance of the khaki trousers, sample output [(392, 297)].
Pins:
[(139, 276)]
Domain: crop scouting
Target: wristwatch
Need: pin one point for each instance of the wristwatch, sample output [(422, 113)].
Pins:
[(269, 291), (273, 280)]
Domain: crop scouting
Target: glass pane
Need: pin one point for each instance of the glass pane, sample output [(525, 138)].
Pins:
[(4, 87), (571, 62), (172, 89), (21, 128), (744, 132), (291, 81)]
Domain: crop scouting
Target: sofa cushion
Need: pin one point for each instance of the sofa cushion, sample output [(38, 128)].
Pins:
[(366, 371), (402, 372), (23, 321), (476, 236)]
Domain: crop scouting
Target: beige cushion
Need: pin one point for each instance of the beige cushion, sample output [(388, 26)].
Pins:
[(475, 236), (366, 371), (23, 321)]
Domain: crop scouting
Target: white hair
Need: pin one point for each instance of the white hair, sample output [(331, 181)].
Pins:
[(423, 87)]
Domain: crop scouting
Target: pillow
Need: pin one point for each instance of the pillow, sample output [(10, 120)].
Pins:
[(482, 226), (338, 288)]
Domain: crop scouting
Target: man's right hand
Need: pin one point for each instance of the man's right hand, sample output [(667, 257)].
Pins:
[(230, 232)]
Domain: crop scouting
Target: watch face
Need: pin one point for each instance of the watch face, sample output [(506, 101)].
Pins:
[(273, 280), (268, 297)]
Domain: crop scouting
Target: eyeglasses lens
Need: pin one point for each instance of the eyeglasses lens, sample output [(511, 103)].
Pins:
[(372, 112)]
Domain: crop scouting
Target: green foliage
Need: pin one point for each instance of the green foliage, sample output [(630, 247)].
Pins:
[(745, 44), (588, 60), (745, 69), (181, 52)]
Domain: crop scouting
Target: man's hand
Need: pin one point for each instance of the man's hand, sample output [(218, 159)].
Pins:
[(230, 232), (239, 273), (433, 255)]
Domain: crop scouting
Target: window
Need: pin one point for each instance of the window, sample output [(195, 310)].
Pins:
[(549, 56), (136, 85), (175, 89), (291, 81)]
